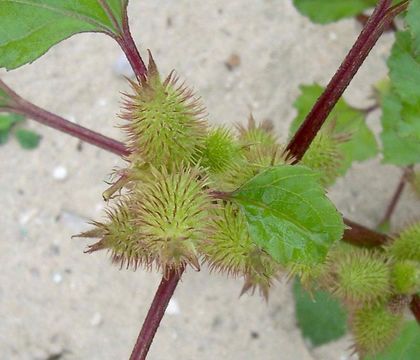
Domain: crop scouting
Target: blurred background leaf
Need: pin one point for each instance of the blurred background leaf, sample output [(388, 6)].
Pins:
[(327, 11), (345, 120), (27, 139), (405, 347), (320, 317), (401, 104)]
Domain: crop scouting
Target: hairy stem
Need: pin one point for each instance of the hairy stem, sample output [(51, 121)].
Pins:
[(297, 146), (169, 283), (363, 19), (155, 314), (396, 197), (375, 26), (21, 106), (167, 286), (127, 44), (47, 118), (360, 235)]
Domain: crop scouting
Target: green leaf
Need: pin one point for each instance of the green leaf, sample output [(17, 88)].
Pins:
[(4, 136), (346, 120), (6, 123), (288, 214), (400, 130), (29, 28), (320, 317), (412, 18), (401, 104), (405, 347), (27, 139), (4, 97), (326, 11), (404, 69), (8, 120)]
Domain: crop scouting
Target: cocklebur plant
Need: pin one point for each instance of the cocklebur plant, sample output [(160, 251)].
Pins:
[(375, 327), (405, 277), (179, 217), (165, 214), (240, 202), (387, 276), (359, 276), (406, 246), (325, 156), (164, 121)]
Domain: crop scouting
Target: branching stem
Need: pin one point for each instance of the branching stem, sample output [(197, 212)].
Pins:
[(127, 44), (396, 197), (362, 19), (375, 26), (21, 106), (360, 235)]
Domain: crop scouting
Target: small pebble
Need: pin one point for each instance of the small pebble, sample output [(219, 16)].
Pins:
[(96, 319), (54, 249), (173, 308), (255, 335), (60, 173), (233, 62), (57, 278), (332, 36), (102, 102)]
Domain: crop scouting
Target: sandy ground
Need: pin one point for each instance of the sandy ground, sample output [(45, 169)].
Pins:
[(58, 303)]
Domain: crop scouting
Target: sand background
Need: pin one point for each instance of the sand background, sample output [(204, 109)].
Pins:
[(57, 301)]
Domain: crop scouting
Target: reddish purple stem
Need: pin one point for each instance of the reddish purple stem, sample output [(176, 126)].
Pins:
[(19, 105), (396, 197), (126, 41), (57, 122), (375, 26), (297, 147), (155, 314), (362, 236), (415, 307)]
